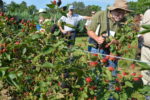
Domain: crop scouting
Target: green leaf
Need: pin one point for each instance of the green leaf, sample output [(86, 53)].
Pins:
[(3, 70), (47, 50), (143, 66), (56, 33), (36, 88), (50, 5), (8, 56), (35, 59), (146, 26), (107, 95), (147, 3), (60, 96), (77, 86), (84, 95), (24, 51), (48, 65), (1, 24), (109, 74), (12, 76), (58, 44), (144, 31), (116, 96), (129, 84), (35, 36), (19, 74), (145, 89), (78, 71), (92, 92), (69, 25)]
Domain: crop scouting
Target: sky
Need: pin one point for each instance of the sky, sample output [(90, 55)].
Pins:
[(42, 3)]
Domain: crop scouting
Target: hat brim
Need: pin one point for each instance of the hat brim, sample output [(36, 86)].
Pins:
[(113, 8)]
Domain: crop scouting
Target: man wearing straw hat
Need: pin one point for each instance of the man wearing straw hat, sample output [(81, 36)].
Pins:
[(106, 23)]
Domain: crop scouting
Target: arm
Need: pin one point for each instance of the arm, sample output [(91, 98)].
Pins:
[(80, 17), (98, 39), (87, 17), (60, 25), (93, 27)]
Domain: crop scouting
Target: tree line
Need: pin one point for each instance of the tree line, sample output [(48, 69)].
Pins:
[(28, 12)]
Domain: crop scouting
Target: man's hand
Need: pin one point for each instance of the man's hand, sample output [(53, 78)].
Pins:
[(99, 39), (112, 42), (64, 32), (60, 27)]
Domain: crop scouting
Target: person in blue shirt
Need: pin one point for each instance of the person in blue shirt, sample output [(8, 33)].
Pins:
[(41, 19)]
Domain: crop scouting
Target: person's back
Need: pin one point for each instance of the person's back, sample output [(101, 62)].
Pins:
[(146, 21), (146, 37), (145, 52)]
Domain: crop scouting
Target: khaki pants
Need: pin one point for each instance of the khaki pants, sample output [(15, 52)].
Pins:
[(145, 56)]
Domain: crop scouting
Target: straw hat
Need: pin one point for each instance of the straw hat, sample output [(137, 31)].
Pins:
[(120, 4)]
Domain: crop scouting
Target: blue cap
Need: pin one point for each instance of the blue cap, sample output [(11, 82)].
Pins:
[(71, 7)]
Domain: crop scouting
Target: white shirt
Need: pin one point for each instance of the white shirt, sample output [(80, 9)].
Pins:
[(73, 20)]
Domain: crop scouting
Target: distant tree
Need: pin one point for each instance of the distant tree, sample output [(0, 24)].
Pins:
[(91, 8), (12, 7), (78, 5), (1, 5), (80, 8), (139, 7), (32, 9), (21, 10)]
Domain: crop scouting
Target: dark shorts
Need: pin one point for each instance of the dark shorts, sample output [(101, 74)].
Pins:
[(70, 36)]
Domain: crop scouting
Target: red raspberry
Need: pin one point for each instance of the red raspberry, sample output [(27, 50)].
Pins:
[(119, 76), (140, 76), (93, 63), (132, 66), (81, 89), (88, 80), (111, 68), (95, 54), (124, 73), (136, 79), (133, 74), (17, 43), (104, 60), (117, 88)]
